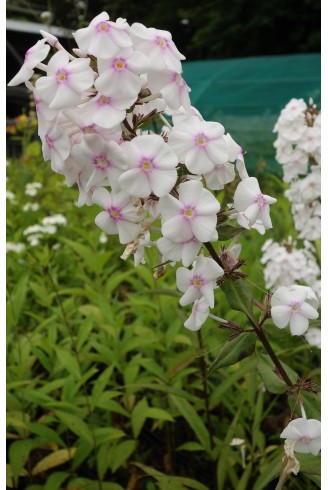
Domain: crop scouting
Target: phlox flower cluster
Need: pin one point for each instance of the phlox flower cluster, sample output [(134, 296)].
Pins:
[(285, 264), (298, 150), (102, 118)]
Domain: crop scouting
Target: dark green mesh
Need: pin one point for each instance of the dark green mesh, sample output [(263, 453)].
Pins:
[(246, 95)]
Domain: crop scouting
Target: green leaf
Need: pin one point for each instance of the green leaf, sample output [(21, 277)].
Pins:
[(55, 480), (16, 301), (271, 380), (158, 414), (53, 460), (233, 351), (226, 232), (194, 421), (75, 424), (310, 464), (106, 434), (120, 454), (19, 452), (190, 446), (269, 472), (49, 434), (273, 331), (68, 361), (138, 416), (239, 295)]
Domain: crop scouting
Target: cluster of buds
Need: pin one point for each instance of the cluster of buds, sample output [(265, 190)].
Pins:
[(102, 118), (298, 150)]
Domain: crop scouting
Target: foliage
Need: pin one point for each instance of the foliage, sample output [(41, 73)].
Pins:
[(105, 385)]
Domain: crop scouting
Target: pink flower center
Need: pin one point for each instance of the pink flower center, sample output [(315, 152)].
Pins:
[(89, 129), (201, 140), (161, 42), (261, 201), (115, 213), (101, 162), (103, 100), (197, 281), (188, 212), (146, 164), (295, 306), (102, 27), (61, 75), (119, 64), (304, 439)]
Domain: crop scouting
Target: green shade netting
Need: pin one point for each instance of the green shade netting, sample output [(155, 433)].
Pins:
[(246, 95)]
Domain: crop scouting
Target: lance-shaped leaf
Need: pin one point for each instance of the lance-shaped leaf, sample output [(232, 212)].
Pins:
[(233, 351), (239, 295), (271, 379)]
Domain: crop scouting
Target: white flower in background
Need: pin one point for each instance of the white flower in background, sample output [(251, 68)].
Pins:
[(103, 238), (33, 57), (199, 315), (121, 216), (313, 337), (65, 81), (152, 167), (17, 248), (55, 219), (306, 433), (292, 306), (199, 282), (31, 189), (31, 206), (199, 144), (254, 205), (103, 38), (11, 197), (193, 215)]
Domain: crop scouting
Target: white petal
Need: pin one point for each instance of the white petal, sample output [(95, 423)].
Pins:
[(177, 229), (189, 296), (309, 312), (203, 227), (105, 223), (135, 183), (162, 181), (281, 315), (183, 277), (298, 324), (102, 197)]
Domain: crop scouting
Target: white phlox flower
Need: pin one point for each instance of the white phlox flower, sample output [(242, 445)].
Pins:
[(313, 337), (106, 159), (121, 216), (254, 205), (199, 282), (289, 305), (119, 75), (56, 147), (186, 251), (306, 433), (199, 315), (65, 81), (152, 167), (105, 111), (172, 86), (33, 57), (192, 215), (199, 144), (103, 38), (158, 46)]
